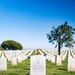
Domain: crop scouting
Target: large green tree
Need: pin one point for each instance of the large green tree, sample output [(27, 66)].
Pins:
[(62, 35), (1, 48), (11, 45)]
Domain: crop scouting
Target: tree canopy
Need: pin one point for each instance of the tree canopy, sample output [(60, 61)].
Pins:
[(1, 48), (63, 35), (11, 45)]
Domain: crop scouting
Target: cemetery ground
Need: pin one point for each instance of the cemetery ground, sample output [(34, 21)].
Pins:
[(24, 68)]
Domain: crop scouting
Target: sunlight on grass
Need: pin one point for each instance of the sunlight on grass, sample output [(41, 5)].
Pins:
[(24, 68)]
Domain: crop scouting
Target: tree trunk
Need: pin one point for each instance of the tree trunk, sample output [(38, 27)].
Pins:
[(59, 48)]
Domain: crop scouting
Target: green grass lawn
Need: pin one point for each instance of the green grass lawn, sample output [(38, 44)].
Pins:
[(24, 68), (53, 69)]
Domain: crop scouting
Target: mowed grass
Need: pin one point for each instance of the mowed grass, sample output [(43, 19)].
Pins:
[(53, 69), (24, 68)]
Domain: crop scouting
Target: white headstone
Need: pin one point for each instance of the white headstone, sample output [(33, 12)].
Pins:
[(71, 64), (38, 65), (59, 60), (53, 59), (3, 63), (49, 57), (19, 59), (9, 58), (14, 61)]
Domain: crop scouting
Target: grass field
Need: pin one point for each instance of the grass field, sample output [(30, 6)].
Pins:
[(24, 68)]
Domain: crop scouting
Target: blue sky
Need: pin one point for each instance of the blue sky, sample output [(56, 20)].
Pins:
[(28, 21)]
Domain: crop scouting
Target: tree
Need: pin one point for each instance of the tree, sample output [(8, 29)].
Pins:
[(63, 35), (1, 48), (11, 45)]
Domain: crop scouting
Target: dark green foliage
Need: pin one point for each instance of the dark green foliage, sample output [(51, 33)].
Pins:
[(1, 48), (11, 45), (63, 35)]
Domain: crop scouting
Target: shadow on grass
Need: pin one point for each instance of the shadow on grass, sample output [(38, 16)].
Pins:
[(62, 69), (25, 68)]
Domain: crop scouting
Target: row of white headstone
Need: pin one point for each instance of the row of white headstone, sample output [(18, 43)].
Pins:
[(37, 62), (13, 56), (41, 52), (62, 57)]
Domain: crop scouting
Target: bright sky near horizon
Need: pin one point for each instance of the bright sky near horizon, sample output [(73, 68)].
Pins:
[(28, 21)]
